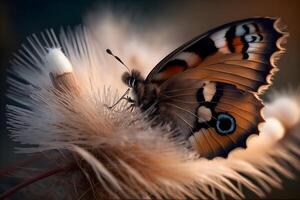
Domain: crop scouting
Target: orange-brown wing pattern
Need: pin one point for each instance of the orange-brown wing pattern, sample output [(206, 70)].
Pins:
[(241, 53), (208, 87), (235, 116), (215, 117)]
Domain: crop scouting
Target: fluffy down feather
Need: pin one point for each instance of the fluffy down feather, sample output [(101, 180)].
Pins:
[(115, 152)]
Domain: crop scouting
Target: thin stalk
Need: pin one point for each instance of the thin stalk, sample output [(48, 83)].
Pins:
[(39, 177), (12, 168)]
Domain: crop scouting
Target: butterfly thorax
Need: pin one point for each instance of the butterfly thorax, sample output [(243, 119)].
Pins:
[(144, 94)]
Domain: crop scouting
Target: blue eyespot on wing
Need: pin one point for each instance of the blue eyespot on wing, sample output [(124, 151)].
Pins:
[(214, 117), (209, 85), (225, 124), (235, 115)]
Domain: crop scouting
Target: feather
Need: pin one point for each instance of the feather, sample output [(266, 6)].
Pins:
[(117, 153)]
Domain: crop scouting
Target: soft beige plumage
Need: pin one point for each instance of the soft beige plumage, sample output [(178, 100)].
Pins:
[(115, 153)]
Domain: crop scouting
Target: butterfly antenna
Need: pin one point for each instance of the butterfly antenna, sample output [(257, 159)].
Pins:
[(117, 58), (122, 97)]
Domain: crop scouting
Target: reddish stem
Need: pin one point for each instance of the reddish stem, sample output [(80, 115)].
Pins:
[(15, 166), (34, 179)]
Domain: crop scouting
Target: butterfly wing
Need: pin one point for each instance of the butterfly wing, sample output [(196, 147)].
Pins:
[(241, 53), (208, 86), (215, 117)]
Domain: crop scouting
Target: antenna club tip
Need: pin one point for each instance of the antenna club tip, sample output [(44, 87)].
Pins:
[(117, 58), (108, 51)]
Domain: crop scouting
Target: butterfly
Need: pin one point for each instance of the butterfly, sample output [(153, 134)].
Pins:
[(208, 88)]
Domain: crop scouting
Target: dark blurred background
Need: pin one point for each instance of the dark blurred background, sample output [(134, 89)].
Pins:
[(19, 19)]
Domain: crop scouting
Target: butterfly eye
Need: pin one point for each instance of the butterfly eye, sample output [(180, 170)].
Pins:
[(225, 124), (132, 82)]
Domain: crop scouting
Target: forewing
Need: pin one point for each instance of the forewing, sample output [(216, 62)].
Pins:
[(241, 53)]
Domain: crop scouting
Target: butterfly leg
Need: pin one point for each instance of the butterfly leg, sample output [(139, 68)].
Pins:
[(132, 103)]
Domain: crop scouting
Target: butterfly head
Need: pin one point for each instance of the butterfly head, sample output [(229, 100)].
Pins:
[(133, 79), (143, 94)]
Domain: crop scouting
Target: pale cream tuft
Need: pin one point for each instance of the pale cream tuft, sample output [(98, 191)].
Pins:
[(57, 62)]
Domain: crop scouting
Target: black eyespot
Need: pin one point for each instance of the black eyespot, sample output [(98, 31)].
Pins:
[(225, 124)]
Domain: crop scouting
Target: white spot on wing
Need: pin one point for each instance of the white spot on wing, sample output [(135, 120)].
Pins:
[(190, 58), (252, 28), (248, 38), (209, 91), (224, 50), (220, 41), (252, 38), (204, 114), (239, 31), (219, 38)]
